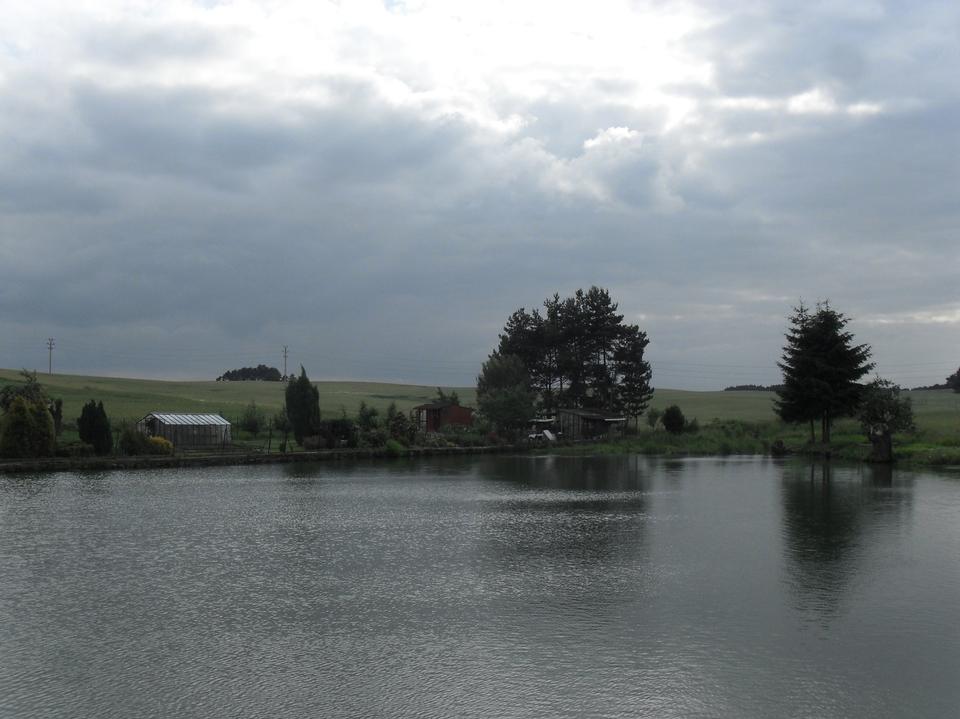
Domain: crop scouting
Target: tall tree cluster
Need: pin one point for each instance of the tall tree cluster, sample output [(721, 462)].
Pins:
[(579, 353), (822, 368)]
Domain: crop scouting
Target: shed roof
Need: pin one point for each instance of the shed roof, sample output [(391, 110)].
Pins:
[(189, 419), (590, 414)]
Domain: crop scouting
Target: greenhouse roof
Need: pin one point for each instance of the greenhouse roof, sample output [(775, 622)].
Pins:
[(189, 419)]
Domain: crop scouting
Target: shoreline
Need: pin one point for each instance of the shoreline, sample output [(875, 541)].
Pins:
[(73, 464)]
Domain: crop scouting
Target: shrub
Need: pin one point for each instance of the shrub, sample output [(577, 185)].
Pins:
[(395, 449), (653, 416), (673, 419), (27, 430), (253, 419), (367, 418), (160, 445), (76, 449), (313, 443), (338, 432), (373, 438), (400, 427), (133, 443)]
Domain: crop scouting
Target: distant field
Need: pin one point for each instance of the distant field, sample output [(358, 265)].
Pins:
[(936, 411), (133, 398)]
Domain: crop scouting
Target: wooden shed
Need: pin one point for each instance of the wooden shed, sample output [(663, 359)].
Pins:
[(436, 415), (187, 431), (577, 424)]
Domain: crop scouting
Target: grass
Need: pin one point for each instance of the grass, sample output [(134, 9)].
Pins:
[(131, 399), (731, 422)]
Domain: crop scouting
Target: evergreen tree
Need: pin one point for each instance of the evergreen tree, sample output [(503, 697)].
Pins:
[(93, 426), (634, 373), (953, 381), (795, 403), (673, 420), (571, 351), (303, 407), (504, 395), (821, 369)]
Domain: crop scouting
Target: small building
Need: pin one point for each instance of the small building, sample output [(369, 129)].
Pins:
[(187, 431), (577, 424), (434, 416)]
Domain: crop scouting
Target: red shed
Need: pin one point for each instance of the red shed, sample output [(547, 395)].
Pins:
[(435, 415)]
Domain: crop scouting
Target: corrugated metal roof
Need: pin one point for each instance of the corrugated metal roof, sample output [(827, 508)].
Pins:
[(189, 419)]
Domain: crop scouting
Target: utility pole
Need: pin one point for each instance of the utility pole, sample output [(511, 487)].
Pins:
[(50, 345), (284, 360)]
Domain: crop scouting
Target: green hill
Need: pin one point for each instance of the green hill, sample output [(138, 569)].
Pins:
[(131, 399), (937, 410)]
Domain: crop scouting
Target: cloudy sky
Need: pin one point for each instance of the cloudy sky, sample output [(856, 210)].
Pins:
[(186, 187)]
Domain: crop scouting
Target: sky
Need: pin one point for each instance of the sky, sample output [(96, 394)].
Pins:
[(186, 187)]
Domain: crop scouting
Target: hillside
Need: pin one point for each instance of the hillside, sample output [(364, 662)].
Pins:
[(938, 410), (133, 398)]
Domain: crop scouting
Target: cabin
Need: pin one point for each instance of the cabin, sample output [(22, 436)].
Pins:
[(579, 424), (432, 417), (187, 431)]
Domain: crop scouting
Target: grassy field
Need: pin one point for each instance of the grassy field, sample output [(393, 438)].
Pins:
[(131, 399), (937, 412)]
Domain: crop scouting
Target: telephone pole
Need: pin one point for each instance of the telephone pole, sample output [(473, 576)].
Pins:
[(50, 345), (284, 360)]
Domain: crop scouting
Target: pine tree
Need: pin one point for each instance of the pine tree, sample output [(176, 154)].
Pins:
[(821, 369), (794, 403), (93, 426), (303, 407), (571, 351), (633, 391), (504, 395)]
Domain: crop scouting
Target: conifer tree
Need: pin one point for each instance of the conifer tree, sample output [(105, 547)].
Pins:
[(821, 369), (303, 406), (93, 426)]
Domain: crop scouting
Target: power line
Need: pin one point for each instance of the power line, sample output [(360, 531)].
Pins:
[(50, 346)]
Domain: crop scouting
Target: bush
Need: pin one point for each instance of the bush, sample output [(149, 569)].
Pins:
[(134, 443), (374, 438), (76, 449), (653, 416), (27, 430), (400, 427), (338, 432), (673, 419), (160, 445), (253, 419), (395, 449)]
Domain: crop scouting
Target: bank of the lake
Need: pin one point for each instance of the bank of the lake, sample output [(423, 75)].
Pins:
[(923, 448)]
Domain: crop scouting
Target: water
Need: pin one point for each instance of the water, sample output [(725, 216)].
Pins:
[(482, 587)]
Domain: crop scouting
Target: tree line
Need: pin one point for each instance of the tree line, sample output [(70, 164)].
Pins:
[(261, 372)]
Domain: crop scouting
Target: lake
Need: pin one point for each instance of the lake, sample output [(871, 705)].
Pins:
[(482, 587)]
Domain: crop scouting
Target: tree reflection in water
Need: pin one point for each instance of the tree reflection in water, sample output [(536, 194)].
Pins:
[(829, 515)]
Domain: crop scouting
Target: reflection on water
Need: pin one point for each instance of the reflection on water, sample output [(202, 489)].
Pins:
[(830, 517), (475, 587)]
